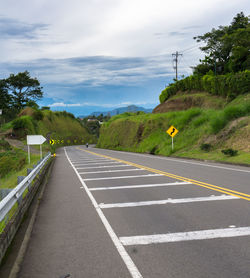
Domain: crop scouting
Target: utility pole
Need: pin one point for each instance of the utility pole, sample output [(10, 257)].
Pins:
[(175, 59)]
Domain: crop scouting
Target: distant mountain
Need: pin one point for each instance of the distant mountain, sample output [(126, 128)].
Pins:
[(130, 108), (120, 110)]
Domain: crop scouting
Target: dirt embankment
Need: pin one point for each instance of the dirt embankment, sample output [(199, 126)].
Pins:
[(184, 101)]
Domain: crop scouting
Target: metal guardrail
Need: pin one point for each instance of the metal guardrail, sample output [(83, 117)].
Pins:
[(9, 201)]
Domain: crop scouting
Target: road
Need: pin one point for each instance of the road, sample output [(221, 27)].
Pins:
[(115, 214)]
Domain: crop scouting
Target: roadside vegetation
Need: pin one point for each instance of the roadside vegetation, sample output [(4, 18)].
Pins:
[(210, 108), (225, 70), (93, 123), (21, 116), (220, 129)]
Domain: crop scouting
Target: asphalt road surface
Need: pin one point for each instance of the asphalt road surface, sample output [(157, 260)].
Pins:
[(109, 214)]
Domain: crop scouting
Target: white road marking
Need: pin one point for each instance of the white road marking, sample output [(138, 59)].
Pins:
[(123, 253), (168, 201), (122, 165), (112, 171), (184, 161), (194, 235), (104, 162), (91, 161), (122, 177), (138, 186)]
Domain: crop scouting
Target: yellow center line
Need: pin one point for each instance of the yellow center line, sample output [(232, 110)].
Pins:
[(199, 183)]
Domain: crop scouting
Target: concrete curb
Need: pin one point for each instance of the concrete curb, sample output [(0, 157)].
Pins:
[(17, 264)]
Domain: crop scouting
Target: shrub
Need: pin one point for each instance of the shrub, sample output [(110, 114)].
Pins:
[(205, 147), (217, 122), (229, 85), (229, 152), (38, 115), (4, 145), (23, 126), (11, 161), (153, 150), (45, 108), (234, 112), (199, 121)]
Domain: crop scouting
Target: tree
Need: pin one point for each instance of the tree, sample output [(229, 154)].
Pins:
[(5, 100), (23, 89), (226, 48)]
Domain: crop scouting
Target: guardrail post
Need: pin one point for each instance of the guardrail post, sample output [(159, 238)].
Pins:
[(29, 170), (20, 198), (4, 192), (20, 178)]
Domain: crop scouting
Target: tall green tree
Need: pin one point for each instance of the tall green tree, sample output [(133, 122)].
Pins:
[(5, 100), (23, 89), (226, 48)]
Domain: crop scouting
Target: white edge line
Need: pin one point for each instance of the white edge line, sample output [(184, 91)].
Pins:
[(123, 253), (183, 161), (138, 186), (193, 235), (168, 201), (123, 177)]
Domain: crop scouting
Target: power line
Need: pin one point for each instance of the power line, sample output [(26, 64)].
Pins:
[(175, 59), (192, 47), (186, 64)]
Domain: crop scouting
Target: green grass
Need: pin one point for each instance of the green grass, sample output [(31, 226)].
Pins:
[(147, 133), (6, 127), (216, 155), (10, 180), (201, 99), (61, 126)]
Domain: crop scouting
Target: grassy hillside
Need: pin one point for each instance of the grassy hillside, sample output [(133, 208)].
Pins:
[(63, 127), (59, 126), (203, 133), (183, 101)]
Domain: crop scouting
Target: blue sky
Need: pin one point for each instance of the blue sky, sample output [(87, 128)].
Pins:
[(97, 55)]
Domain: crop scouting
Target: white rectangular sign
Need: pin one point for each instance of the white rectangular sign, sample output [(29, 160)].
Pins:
[(35, 139), (1, 111)]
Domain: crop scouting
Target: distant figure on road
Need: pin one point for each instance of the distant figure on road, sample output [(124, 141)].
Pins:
[(87, 145)]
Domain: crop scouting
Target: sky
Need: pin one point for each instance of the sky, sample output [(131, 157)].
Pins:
[(97, 55)]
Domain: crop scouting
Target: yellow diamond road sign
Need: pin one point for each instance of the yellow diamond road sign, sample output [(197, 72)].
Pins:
[(172, 131)]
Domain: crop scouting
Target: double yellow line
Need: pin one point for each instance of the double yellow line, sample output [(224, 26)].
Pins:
[(199, 183)]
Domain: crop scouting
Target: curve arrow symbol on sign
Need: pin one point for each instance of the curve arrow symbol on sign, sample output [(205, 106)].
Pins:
[(172, 131)]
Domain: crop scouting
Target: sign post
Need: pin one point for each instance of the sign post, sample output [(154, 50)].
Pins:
[(1, 112), (35, 140), (29, 153), (172, 131)]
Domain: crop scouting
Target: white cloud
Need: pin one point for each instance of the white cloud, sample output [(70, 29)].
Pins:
[(104, 105), (61, 104), (144, 32), (112, 27)]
